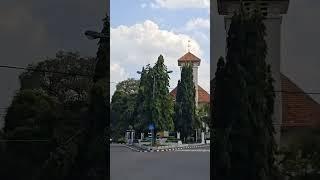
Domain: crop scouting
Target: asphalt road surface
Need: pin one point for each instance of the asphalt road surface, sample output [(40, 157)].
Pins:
[(176, 165)]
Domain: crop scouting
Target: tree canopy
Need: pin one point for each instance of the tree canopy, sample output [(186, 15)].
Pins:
[(66, 76), (154, 105), (122, 106)]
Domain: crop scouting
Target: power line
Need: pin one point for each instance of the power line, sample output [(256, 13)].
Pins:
[(23, 140), (46, 71), (90, 75), (43, 140), (297, 92)]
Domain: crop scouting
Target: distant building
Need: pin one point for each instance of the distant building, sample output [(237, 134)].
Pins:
[(300, 113), (202, 96)]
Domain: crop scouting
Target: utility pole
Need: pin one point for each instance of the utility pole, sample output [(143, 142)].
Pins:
[(98, 132)]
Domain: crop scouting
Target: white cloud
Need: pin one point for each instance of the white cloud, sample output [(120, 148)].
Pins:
[(143, 5), (198, 23), (154, 6), (117, 74), (181, 4), (135, 46)]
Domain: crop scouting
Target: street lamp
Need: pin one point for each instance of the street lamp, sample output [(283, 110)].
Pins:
[(95, 35), (154, 81), (103, 47), (153, 90)]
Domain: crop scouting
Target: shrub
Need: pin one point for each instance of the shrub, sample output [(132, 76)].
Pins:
[(300, 160)]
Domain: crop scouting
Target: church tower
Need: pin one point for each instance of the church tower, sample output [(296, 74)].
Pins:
[(273, 11), (195, 61)]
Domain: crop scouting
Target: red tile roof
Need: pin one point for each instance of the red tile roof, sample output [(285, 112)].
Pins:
[(189, 57), (298, 108), (203, 95)]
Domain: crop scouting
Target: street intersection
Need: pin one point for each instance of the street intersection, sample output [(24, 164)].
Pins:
[(184, 164)]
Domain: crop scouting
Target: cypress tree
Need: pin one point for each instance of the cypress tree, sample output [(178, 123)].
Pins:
[(261, 97), (243, 104), (221, 153), (185, 107), (162, 104), (178, 121)]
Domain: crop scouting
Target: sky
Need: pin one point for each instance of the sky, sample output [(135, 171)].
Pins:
[(34, 29), (299, 43), (149, 28)]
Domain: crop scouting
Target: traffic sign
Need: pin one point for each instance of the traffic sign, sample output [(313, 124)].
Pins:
[(151, 127)]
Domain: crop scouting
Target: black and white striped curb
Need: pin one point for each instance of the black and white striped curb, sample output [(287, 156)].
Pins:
[(117, 143), (133, 148), (186, 148), (176, 149), (194, 150)]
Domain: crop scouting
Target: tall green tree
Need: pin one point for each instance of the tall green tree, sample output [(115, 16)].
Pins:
[(244, 104), (122, 106), (85, 155), (142, 112), (178, 121), (33, 115), (185, 107), (49, 105), (162, 103)]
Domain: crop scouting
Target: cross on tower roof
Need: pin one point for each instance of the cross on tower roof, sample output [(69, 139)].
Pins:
[(188, 45)]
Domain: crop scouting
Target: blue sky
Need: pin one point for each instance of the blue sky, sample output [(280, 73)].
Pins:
[(141, 30)]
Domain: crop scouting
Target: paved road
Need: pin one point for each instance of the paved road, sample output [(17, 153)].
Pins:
[(129, 165)]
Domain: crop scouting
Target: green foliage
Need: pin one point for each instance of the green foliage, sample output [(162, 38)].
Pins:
[(49, 106), (31, 108), (162, 103), (185, 107), (93, 149), (202, 115), (122, 107), (300, 160), (31, 116), (67, 86), (54, 106), (142, 112), (243, 104), (154, 103)]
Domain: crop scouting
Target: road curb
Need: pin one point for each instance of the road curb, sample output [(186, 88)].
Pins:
[(138, 149), (173, 149)]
